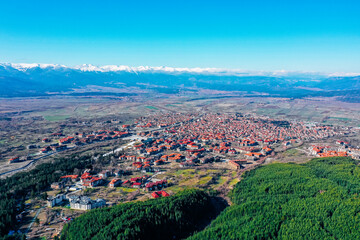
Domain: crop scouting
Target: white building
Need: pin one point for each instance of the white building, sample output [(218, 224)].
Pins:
[(53, 201), (85, 203)]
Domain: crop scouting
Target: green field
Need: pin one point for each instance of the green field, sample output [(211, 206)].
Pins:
[(292, 152), (55, 118), (341, 118), (126, 190), (152, 107)]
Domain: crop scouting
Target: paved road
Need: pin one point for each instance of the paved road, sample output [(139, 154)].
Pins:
[(27, 165), (33, 220), (150, 178), (135, 139), (32, 162)]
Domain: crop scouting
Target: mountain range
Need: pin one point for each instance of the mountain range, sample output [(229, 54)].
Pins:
[(25, 80)]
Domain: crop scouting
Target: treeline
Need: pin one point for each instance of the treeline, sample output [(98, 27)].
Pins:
[(173, 217), (15, 189), (316, 200)]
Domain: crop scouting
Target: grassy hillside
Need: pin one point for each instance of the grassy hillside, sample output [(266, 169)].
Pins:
[(172, 217), (316, 200)]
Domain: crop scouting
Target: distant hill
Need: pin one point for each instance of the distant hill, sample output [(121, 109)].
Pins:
[(48, 79)]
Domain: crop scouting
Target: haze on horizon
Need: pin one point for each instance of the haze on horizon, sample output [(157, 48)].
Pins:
[(321, 36)]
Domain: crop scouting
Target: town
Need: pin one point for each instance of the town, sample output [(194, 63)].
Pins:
[(164, 153)]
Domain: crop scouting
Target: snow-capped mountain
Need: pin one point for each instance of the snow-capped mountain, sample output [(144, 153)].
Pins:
[(163, 69), (27, 66), (23, 79)]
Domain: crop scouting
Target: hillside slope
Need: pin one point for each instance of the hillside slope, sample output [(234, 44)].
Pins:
[(173, 217), (316, 200)]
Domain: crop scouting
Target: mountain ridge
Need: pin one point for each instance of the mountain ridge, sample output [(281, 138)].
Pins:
[(117, 68), (22, 80)]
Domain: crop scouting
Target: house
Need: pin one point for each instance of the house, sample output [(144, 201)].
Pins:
[(105, 174), (253, 155), (316, 150), (46, 149), (14, 160), (114, 183), (158, 162), (192, 146), (95, 181), (237, 164), (159, 194), (127, 183), (136, 185), (135, 179), (139, 146), (155, 195), (119, 173), (72, 178), (206, 160), (266, 150), (339, 142), (58, 185), (85, 176), (125, 157), (148, 168), (186, 164), (53, 201), (247, 142), (174, 157), (151, 186), (232, 151), (85, 203), (164, 194), (141, 159), (138, 165), (66, 140), (90, 181)]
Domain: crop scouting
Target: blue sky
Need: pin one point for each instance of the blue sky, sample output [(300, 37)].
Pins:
[(255, 35)]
